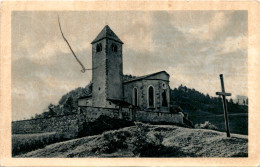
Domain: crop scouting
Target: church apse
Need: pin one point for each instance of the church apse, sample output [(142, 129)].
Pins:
[(153, 92)]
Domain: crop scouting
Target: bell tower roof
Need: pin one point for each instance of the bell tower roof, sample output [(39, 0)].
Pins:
[(106, 33)]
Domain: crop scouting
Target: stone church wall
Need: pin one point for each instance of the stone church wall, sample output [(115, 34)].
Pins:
[(90, 114), (128, 92), (99, 75), (69, 125), (114, 71), (142, 87), (153, 117)]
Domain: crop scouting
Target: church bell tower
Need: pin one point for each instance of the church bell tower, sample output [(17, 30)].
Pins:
[(107, 74)]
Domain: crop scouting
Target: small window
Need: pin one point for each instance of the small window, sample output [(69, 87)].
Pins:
[(99, 47), (114, 47)]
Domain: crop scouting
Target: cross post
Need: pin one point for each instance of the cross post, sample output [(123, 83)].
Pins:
[(224, 94)]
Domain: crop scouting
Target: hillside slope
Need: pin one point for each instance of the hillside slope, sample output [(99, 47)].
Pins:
[(201, 108), (143, 140), (191, 100)]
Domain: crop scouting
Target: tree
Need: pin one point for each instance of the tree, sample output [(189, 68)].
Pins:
[(52, 111), (237, 101)]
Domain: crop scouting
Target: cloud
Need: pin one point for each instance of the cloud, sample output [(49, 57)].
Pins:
[(139, 34), (38, 85), (232, 44), (205, 30), (46, 53), (218, 22), (194, 47)]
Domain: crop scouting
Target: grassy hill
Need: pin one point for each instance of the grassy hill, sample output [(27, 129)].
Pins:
[(144, 140)]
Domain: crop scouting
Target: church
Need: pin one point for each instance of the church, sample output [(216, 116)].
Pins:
[(143, 99), (111, 90)]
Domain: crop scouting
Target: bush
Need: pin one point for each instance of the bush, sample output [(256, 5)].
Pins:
[(22, 143), (188, 122), (206, 125), (146, 145), (102, 124), (113, 141), (174, 109)]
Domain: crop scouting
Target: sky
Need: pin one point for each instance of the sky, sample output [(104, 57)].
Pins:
[(194, 47)]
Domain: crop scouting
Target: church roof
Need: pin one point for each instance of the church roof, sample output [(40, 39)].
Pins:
[(119, 102), (86, 96), (145, 76), (106, 33)]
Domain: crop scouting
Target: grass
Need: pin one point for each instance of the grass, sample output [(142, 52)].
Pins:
[(22, 143), (144, 140)]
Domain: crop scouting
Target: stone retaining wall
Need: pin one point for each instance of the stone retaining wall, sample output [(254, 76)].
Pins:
[(146, 116), (69, 125), (66, 124)]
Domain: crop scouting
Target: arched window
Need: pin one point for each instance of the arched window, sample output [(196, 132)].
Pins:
[(114, 47), (99, 47), (150, 97), (164, 99), (135, 97)]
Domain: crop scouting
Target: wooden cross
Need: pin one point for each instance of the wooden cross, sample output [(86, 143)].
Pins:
[(224, 94)]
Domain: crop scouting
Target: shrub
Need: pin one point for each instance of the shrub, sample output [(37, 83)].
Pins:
[(102, 124), (112, 142), (206, 125), (174, 109), (147, 146)]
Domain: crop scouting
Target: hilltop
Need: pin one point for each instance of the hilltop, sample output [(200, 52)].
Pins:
[(144, 140)]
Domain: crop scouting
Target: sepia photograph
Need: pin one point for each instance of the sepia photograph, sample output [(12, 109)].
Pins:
[(129, 84), (120, 83)]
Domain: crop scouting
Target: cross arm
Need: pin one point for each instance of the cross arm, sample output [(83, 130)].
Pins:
[(223, 93)]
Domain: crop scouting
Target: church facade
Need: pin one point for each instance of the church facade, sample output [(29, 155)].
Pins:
[(109, 90)]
